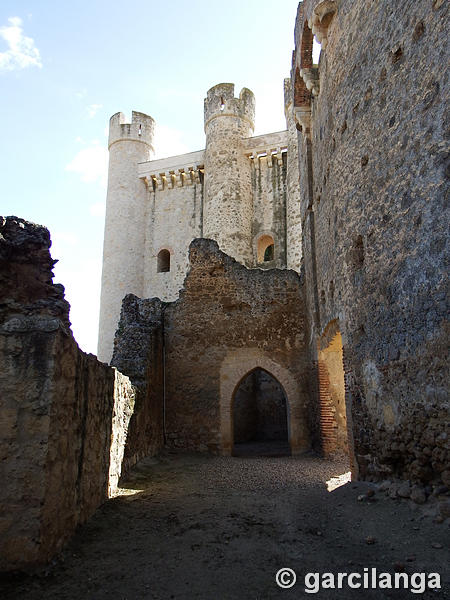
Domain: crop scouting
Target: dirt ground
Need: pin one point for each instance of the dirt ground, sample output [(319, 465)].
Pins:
[(219, 528)]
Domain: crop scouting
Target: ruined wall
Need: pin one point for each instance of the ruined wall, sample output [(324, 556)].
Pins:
[(374, 184), (56, 407), (139, 354), (226, 310), (228, 321)]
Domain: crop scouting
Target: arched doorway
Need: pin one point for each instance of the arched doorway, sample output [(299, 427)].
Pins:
[(260, 416), (335, 414), (236, 365)]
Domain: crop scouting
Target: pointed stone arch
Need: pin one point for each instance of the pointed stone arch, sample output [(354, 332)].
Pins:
[(236, 365)]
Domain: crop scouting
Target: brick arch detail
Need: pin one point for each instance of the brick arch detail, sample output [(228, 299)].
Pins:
[(306, 47), (327, 420), (302, 96), (235, 367)]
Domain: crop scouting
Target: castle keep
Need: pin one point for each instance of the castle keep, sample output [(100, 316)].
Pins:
[(289, 286), (240, 191)]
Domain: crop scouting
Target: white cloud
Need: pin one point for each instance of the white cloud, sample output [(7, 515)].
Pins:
[(91, 164), (21, 52), (93, 109), (168, 142), (81, 94)]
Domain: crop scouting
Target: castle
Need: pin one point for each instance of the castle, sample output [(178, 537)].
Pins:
[(316, 257), (241, 191)]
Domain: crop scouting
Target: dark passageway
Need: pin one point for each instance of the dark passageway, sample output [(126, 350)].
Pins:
[(260, 419)]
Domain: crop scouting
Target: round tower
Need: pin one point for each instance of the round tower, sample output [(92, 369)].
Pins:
[(228, 191), (123, 246)]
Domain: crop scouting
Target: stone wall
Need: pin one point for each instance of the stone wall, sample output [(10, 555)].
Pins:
[(268, 177), (293, 214), (228, 194), (228, 321), (139, 354), (174, 219), (374, 184), (58, 446)]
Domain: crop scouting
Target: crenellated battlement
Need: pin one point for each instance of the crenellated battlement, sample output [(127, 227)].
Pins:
[(141, 129), (231, 191), (220, 102)]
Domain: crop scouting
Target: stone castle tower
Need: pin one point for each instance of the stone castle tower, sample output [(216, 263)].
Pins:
[(240, 191), (228, 176)]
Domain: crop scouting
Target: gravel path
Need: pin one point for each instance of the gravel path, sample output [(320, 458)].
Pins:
[(219, 528)]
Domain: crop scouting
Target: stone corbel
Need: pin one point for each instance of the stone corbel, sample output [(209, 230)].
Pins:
[(302, 116), (162, 181), (311, 79), (320, 19), (279, 156), (195, 175)]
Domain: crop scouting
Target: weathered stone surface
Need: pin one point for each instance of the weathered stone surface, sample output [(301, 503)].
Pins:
[(374, 191), (58, 442), (418, 494), (138, 352), (404, 490), (26, 286), (228, 321)]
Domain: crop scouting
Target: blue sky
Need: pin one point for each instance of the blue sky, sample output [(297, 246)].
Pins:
[(66, 67)]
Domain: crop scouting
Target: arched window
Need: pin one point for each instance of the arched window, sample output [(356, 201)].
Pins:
[(163, 264), (268, 253), (266, 249)]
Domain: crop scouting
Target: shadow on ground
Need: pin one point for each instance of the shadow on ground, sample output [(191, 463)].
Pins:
[(273, 448), (219, 528)]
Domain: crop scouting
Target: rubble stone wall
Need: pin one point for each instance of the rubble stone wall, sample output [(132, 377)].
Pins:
[(374, 184), (58, 446), (193, 353), (229, 316), (138, 353)]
